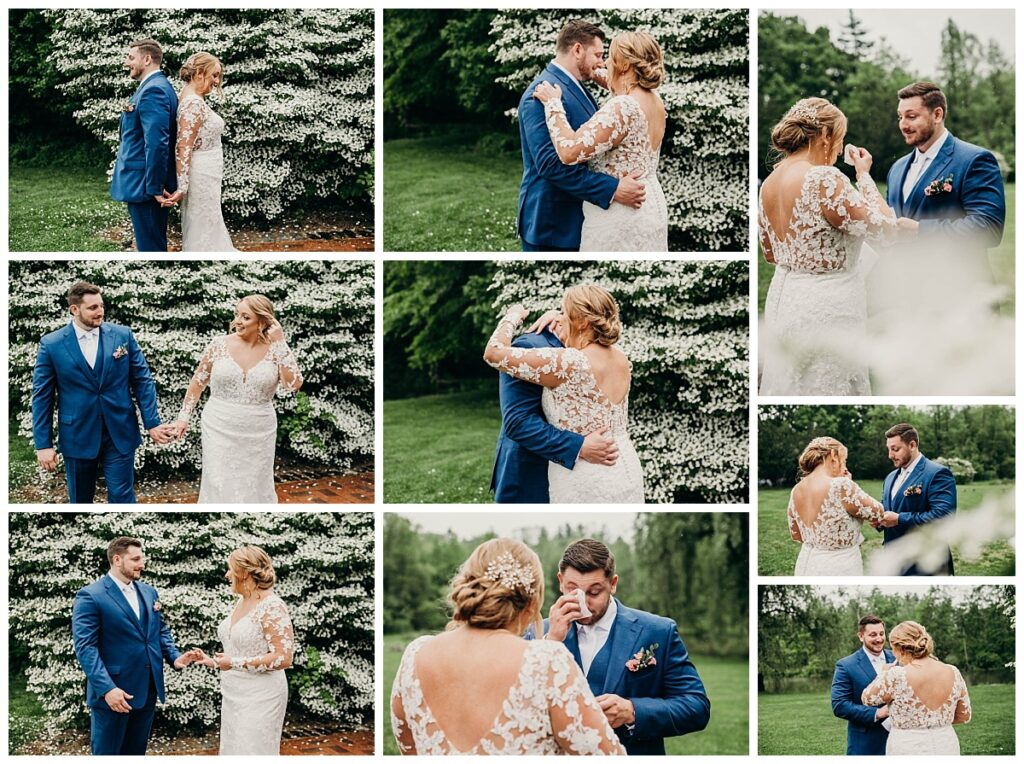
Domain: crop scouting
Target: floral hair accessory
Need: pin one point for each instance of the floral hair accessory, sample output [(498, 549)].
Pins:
[(509, 573), (804, 112)]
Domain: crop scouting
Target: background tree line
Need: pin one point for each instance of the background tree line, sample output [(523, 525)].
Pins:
[(983, 435), (862, 76), (803, 631), (691, 567)]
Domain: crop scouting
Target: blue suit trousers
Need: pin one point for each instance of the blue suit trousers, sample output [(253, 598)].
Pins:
[(149, 220)]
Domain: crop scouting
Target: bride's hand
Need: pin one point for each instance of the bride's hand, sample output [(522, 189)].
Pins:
[(275, 333), (221, 661), (862, 160), (517, 314), (545, 92), (549, 320), (178, 429)]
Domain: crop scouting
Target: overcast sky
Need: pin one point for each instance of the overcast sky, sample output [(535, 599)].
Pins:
[(917, 35), (476, 522), (842, 594)]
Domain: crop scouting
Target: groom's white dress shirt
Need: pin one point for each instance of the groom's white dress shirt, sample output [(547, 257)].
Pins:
[(922, 160), (130, 593), (573, 78), (89, 342), (591, 639), (902, 477)]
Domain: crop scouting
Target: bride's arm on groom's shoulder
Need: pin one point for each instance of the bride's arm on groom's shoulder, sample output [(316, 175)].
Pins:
[(191, 116), (542, 366), (602, 132), (200, 379), (289, 375)]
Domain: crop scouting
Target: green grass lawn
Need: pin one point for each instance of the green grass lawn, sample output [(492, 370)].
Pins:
[(21, 458), (776, 552), (26, 715), (725, 680), (61, 210), (443, 195), (440, 448), (802, 724)]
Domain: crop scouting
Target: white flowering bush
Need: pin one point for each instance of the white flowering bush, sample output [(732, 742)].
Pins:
[(175, 308), (298, 95), (685, 330), (324, 563), (962, 469), (704, 164)]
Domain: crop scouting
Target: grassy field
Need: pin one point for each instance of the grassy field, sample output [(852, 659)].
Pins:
[(724, 679), (25, 715), (61, 210), (441, 194), (803, 724), (776, 552), (440, 448)]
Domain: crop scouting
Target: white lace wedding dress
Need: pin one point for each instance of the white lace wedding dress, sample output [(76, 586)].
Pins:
[(549, 710), (200, 174), (615, 141), (815, 313), (576, 404), (916, 728), (831, 545), (239, 423), (254, 691)]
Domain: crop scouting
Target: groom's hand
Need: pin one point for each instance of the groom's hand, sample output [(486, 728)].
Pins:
[(617, 710), (890, 520), (47, 459), (561, 615), (118, 699), (630, 191), (599, 448), (162, 433)]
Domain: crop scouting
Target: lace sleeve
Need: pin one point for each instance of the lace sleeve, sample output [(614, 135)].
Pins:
[(578, 723), (200, 379), (879, 692), (288, 369), (191, 115), (280, 639), (400, 727), (858, 503), (794, 526), (764, 236), (549, 367), (860, 211), (962, 714), (602, 132)]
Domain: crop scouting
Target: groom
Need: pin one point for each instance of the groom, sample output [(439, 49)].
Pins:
[(916, 493), (635, 662), (144, 172), (868, 729), (551, 195), (121, 642), (94, 370)]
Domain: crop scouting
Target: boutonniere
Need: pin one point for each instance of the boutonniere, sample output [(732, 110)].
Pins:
[(128, 108), (643, 659), (120, 352), (940, 186), (914, 490), (157, 607)]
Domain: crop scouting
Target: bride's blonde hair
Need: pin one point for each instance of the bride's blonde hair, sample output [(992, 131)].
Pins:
[(641, 52), (912, 639), (263, 309), (201, 63), (252, 563), (806, 120), (593, 307), (817, 451)]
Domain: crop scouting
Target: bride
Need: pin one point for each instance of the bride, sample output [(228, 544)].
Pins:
[(258, 643), (244, 369), (586, 389), (200, 159), (926, 697), (623, 138), (812, 224), (480, 688), (826, 510)]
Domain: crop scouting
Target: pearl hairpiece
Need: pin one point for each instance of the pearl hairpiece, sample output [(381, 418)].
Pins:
[(509, 573), (804, 112)]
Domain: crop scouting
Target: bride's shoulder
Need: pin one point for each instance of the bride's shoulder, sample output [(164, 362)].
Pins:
[(414, 647)]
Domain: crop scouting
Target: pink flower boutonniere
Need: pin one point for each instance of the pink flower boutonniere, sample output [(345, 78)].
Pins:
[(914, 490), (643, 659), (128, 108), (157, 607), (940, 186), (120, 352)]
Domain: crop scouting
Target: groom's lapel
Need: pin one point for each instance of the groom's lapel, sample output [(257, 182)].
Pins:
[(624, 643), (106, 337), (935, 170), (75, 351), (572, 645), (887, 501), (912, 478), (119, 599), (865, 666), (571, 87)]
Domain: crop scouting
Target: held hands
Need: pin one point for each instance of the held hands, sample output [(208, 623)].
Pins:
[(47, 459), (563, 612), (195, 655), (889, 520), (118, 699), (167, 199), (163, 433), (222, 661), (546, 91), (617, 710)]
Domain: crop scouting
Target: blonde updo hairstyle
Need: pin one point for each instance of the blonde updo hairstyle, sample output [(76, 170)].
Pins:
[(484, 603), (806, 121), (203, 64), (252, 569), (817, 452), (263, 309), (639, 52), (912, 640), (592, 310)]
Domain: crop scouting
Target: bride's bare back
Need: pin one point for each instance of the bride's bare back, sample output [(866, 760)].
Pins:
[(611, 371)]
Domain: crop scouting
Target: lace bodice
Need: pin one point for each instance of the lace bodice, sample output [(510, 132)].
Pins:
[(907, 711), (835, 527), (228, 381), (262, 640), (615, 140), (572, 401), (549, 710), (199, 129), (828, 214)]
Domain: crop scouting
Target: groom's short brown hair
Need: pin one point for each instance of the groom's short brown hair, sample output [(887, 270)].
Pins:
[(905, 432), (931, 95), (586, 555), (578, 31), (79, 290), (868, 620), (148, 47), (120, 545)]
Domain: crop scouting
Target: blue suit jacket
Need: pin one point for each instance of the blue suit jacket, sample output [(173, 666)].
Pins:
[(972, 214), (936, 500), (527, 442), (116, 649), (668, 698), (88, 400), (145, 164), (551, 194), (864, 736)]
